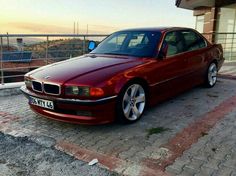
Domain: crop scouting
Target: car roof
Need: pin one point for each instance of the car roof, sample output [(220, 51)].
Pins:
[(156, 29)]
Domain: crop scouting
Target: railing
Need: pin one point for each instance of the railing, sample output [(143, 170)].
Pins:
[(20, 53), (50, 48), (228, 42)]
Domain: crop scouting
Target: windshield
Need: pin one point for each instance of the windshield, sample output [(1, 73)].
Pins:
[(131, 43)]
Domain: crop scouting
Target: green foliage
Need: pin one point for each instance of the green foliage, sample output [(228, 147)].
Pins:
[(156, 130)]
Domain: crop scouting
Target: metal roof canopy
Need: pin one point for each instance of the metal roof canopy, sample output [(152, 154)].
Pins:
[(197, 4)]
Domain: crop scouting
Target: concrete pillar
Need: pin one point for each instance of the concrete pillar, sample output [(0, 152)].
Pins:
[(210, 18)]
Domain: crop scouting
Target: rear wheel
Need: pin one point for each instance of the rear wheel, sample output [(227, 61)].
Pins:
[(211, 76), (131, 103)]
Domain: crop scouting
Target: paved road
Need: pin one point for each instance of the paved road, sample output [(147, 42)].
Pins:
[(21, 156), (213, 155), (127, 149)]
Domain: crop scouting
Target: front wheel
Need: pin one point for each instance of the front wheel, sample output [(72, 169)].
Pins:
[(211, 76), (131, 103)]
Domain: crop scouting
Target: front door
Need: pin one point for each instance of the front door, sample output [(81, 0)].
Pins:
[(169, 73)]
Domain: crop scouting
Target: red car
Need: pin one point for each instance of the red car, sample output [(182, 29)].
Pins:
[(127, 71)]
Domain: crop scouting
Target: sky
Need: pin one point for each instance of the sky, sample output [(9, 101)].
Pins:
[(104, 16)]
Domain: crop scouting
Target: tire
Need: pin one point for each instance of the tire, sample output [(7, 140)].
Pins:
[(211, 76), (131, 103)]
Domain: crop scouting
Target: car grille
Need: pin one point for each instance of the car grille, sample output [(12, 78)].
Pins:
[(37, 86), (47, 88), (51, 89)]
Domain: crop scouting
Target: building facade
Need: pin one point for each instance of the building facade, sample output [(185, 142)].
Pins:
[(216, 19)]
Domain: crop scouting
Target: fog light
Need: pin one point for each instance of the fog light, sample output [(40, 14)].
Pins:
[(84, 113)]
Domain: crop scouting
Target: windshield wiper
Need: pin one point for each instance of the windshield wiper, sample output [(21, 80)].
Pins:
[(123, 54)]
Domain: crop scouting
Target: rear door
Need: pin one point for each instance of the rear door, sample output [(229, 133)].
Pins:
[(195, 51)]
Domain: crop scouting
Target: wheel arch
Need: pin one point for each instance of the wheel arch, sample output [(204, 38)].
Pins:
[(139, 80), (215, 61)]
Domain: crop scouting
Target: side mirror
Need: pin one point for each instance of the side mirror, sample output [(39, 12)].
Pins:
[(163, 51), (91, 45)]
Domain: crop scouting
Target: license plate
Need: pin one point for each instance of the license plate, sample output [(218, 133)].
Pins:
[(42, 103)]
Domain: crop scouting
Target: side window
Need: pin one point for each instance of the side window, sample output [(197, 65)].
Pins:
[(175, 42), (193, 41)]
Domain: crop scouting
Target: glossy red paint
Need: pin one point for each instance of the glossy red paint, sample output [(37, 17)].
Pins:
[(111, 73), (100, 114)]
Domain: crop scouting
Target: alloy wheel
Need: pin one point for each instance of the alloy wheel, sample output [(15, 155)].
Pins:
[(212, 74), (134, 101)]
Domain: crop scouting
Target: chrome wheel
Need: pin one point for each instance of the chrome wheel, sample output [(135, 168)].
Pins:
[(212, 74), (134, 101)]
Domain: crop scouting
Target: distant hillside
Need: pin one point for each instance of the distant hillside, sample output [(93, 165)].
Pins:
[(28, 40), (59, 49)]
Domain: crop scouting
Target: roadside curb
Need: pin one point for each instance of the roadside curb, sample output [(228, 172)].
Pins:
[(226, 76), (10, 89)]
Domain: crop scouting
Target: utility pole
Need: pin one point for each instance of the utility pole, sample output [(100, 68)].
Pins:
[(8, 47), (87, 30), (74, 28), (77, 27)]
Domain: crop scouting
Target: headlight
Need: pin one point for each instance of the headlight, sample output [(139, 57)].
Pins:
[(28, 82), (84, 91), (80, 91)]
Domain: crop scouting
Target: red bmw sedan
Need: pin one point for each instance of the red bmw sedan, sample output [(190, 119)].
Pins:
[(125, 73)]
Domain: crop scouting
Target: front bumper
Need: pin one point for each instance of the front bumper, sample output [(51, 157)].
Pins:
[(78, 111)]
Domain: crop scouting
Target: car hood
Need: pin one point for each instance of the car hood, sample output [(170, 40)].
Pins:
[(64, 71)]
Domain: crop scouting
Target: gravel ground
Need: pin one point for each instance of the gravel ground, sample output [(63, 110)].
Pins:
[(22, 156)]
